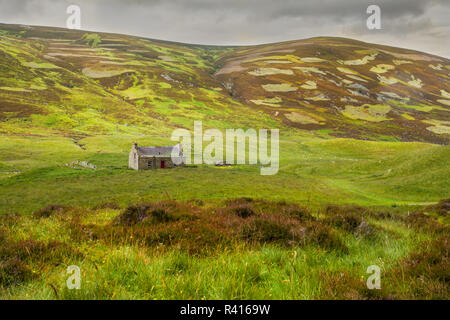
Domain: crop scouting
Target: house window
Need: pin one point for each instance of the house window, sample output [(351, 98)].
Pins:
[(149, 164)]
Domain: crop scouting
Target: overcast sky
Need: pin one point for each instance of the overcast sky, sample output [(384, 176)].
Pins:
[(422, 25)]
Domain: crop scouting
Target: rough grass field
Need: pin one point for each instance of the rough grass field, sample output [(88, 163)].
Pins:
[(182, 234), (242, 249), (363, 177)]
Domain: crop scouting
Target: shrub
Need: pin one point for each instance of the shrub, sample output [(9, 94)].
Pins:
[(50, 210), (13, 271), (160, 215), (107, 205), (192, 236), (197, 202), (346, 218), (431, 261), (15, 256), (264, 230), (200, 237), (418, 218), (322, 235), (79, 232), (426, 271), (344, 286), (238, 201), (2, 234), (242, 210), (290, 232), (149, 213), (33, 250), (9, 219), (133, 214), (247, 207), (424, 222), (297, 212), (382, 214), (167, 223), (442, 208)]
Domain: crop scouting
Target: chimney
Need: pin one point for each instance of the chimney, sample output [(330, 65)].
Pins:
[(135, 145)]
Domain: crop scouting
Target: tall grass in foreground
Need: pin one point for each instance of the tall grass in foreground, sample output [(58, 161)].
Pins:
[(242, 249)]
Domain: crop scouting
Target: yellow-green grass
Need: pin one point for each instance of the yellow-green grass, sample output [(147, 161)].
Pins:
[(33, 173), (367, 112), (141, 86), (130, 269)]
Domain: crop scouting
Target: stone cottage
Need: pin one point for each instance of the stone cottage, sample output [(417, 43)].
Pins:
[(143, 158)]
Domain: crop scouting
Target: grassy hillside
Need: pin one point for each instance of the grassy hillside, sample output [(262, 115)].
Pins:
[(71, 83), (75, 83), (344, 87)]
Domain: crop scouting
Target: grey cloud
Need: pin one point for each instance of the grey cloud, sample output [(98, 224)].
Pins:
[(248, 21)]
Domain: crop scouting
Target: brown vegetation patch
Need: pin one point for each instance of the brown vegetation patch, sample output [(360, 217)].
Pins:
[(10, 109), (152, 213), (242, 207), (242, 210), (8, 220), (350, 219), (428, 270), (107, 205), (442, 208), (424, 270), (13, 271), (50, 210), (204, 229), (424, 222), (189, 234), (16, 257), (260, 207), (41, 251), (347, 218), (198, 228), (159, 224), (344, 286), (288, 231)]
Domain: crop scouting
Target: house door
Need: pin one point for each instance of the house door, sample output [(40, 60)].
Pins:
[(163, 164)]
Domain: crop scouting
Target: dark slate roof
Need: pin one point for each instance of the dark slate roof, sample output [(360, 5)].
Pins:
[(156, 151)]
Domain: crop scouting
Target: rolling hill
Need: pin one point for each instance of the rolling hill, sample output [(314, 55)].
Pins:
[(364, 134), (58, 82)]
